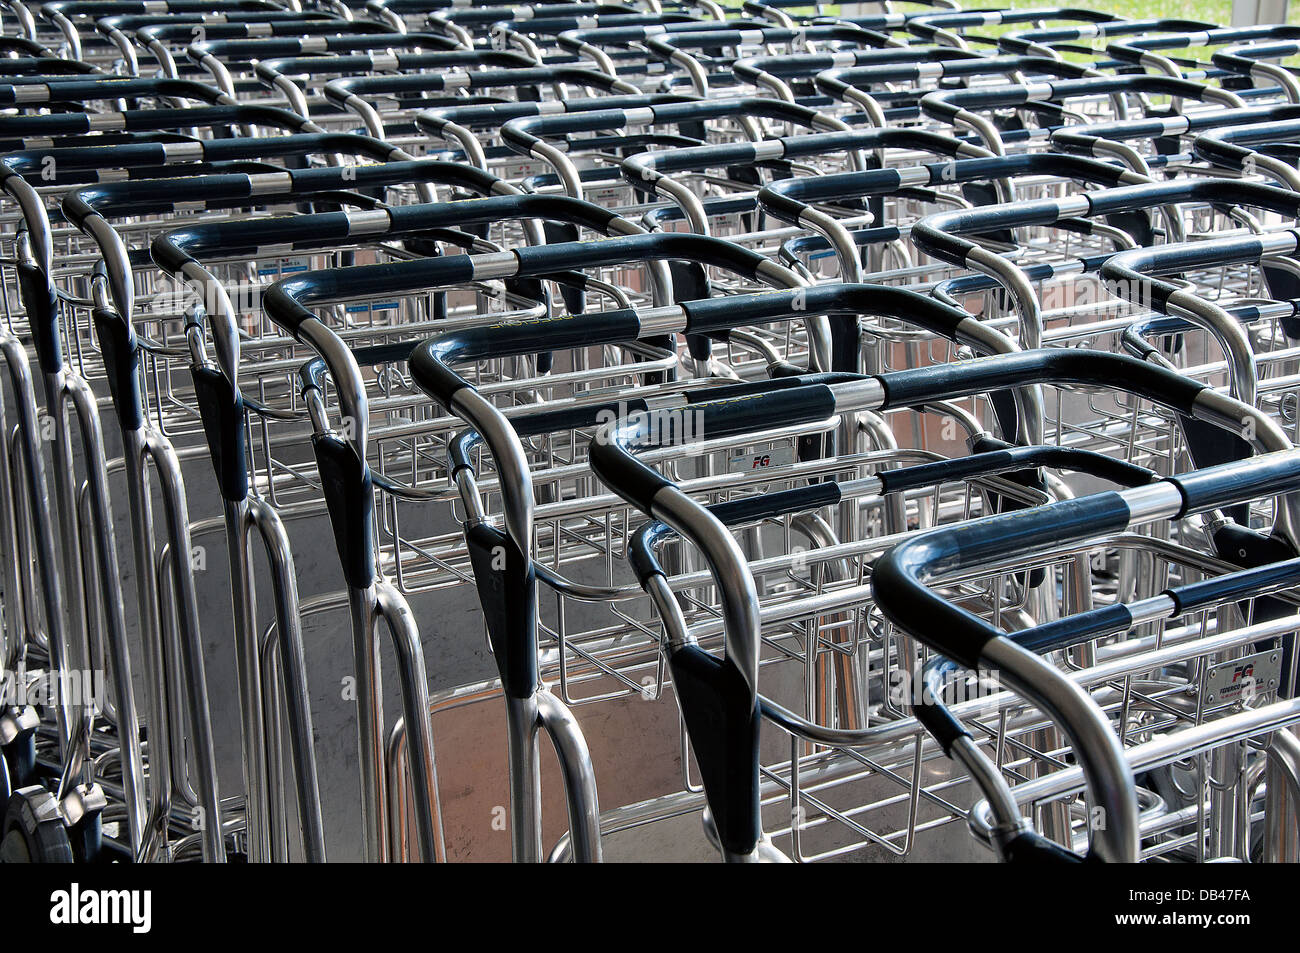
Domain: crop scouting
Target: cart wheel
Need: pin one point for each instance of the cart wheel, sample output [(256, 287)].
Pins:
[(33, 829)]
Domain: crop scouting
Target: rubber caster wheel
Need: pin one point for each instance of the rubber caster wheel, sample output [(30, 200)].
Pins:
[(33, 830)]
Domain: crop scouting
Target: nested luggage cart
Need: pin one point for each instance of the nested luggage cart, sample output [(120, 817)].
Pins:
[(844, 437)]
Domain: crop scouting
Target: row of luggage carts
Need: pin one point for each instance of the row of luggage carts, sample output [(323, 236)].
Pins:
[(823, 433)]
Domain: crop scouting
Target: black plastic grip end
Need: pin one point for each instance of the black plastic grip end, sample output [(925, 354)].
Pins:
[(121, 362), (348, 495), (722, 719), (506, 582), (222, 410)]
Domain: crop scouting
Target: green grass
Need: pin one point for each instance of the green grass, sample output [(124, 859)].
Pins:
[(1207, 11), (1218, 12)]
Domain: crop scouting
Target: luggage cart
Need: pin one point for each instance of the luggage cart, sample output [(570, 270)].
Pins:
[(284, 308), (404, 336), (216, 392), (670, 508), (432, 373), (87, 213), (1222, 826)]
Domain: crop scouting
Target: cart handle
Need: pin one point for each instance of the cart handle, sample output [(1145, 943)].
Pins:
[(890, 19), (900, 577), (128, 155), (378, 7), (926, 385), (643, 545), (647, 168), (342, 91), (847, 83), (945, 63), (956, 106), (508, 30), (670, 45), (940, 234), (790, 200), (148, 120), (530, 262), (274, 67), (86, 207), (290, 37), (50, 66), (770, 72), (1130, 275), (492, 115), (591, 43), (98, 8), (1244, 58), (1109, 139), (266, 13), (177, 252), (490, 14), (18, 44), (433, 358), (1007, 456), (929, 22), (455, 123), (526, 135), (30, 92), (461, 447), (276, 71), (432, 362), (59, 13), (1027, 40), (1141, 51), (216, 55), (1086, 138), (1138, 51), (644, 166), (313, 27), (755, 68), (285, 302), (35, 275), (585, 40), (1226, 147), (1250, 583)]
